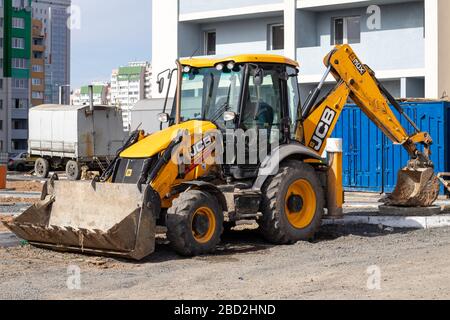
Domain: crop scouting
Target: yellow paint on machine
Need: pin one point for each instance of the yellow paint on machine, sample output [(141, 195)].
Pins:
[(244, 58), (159, 141)]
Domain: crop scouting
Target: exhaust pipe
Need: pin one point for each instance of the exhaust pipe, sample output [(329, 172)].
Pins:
[(91, 98)]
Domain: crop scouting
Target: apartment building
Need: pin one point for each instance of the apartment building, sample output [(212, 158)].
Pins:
[(14, 75), (37, 64), (405, 41), (54, 15), (129, 84)]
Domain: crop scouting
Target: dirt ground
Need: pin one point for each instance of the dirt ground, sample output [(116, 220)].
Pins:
[(6, 219), (337, 265), (25, 186)]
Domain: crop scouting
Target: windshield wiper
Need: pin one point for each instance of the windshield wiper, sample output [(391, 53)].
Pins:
[(224, 107)]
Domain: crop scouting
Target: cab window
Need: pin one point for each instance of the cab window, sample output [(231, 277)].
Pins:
[(262, 109)]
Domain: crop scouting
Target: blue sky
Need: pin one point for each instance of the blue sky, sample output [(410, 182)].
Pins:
[(112, 33)]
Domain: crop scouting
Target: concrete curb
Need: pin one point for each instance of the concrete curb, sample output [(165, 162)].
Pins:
[(431, 222)]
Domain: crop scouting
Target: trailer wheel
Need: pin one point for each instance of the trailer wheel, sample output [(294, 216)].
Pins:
[(42, 168), (194, 223), (293, 204), (73, 170)]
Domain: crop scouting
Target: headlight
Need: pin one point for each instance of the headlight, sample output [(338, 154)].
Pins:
[(219, 67), (230, 65), (186, 69), (163, 117)]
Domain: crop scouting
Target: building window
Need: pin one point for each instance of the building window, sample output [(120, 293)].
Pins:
[(19, 145), (346, 30), (19, 63), (210, 43), (276, 37), (20, 124), (36, 81), (20, 83), (18, 43), (37, 95), (20, 103), (38, 68), (18, 23), (1, 124)]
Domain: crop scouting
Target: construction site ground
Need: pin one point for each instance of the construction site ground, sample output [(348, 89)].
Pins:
[(343, 262)]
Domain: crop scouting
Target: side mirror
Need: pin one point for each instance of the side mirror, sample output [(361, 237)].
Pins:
[(163, 117), (160, 85), (258, 78), (229, 116)]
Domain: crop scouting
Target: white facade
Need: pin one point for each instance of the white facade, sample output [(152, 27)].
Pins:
[(404, 41), (130, 84)]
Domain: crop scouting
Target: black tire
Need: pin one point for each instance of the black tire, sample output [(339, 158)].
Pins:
[(20, 167), (275, 224), (73, 170), (186, 220), (42, 168)]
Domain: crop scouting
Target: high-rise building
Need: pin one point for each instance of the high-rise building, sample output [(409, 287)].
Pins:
[(54, 14), (37, 64), (14, 75), (129, 84)]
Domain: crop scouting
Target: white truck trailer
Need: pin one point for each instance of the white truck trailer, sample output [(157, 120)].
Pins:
[(74, 138)]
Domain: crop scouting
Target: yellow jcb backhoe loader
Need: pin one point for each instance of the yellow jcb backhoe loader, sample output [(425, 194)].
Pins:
[(284, 190)]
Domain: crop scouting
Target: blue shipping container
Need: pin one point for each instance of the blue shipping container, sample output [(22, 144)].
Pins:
[(372, 161)]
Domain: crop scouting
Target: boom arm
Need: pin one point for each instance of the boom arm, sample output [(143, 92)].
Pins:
[(358, 82), (417, 184)]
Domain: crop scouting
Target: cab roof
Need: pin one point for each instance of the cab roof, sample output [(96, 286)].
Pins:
[(243, 58)]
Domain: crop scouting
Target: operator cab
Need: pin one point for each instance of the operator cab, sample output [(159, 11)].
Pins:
[(256, 93)]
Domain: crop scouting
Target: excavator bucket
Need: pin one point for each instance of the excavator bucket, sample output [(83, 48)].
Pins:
[(415, 188), (101, 219)]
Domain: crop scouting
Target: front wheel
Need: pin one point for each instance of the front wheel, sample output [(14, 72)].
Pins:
[(194, 223), (293, 204)]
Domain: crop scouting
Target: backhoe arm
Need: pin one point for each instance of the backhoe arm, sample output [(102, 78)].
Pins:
[(417, 185)]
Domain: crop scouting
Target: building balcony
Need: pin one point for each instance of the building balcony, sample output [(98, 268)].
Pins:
[(38, 48), (203, 11), (19, 113), (17, 134)]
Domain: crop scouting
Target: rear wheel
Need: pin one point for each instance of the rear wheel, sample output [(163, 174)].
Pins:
[(194, 223), (73, 170), (293, 204), (42, 168)]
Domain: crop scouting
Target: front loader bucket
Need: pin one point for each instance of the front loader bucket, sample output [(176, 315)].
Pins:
[(103, 218), (415, 188)]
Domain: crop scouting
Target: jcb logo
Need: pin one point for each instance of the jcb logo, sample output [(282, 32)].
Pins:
[(322, 130), (359, 66), (201, 145)]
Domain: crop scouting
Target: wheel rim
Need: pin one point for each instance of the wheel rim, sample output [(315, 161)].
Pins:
[(300, 215), (71, 169), (203, 225), (39, 168)]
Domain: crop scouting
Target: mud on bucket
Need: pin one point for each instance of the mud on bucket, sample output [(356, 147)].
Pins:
[(415, 188), (106, 219)]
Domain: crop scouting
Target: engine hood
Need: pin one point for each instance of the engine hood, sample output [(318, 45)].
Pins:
[(159, 141)]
